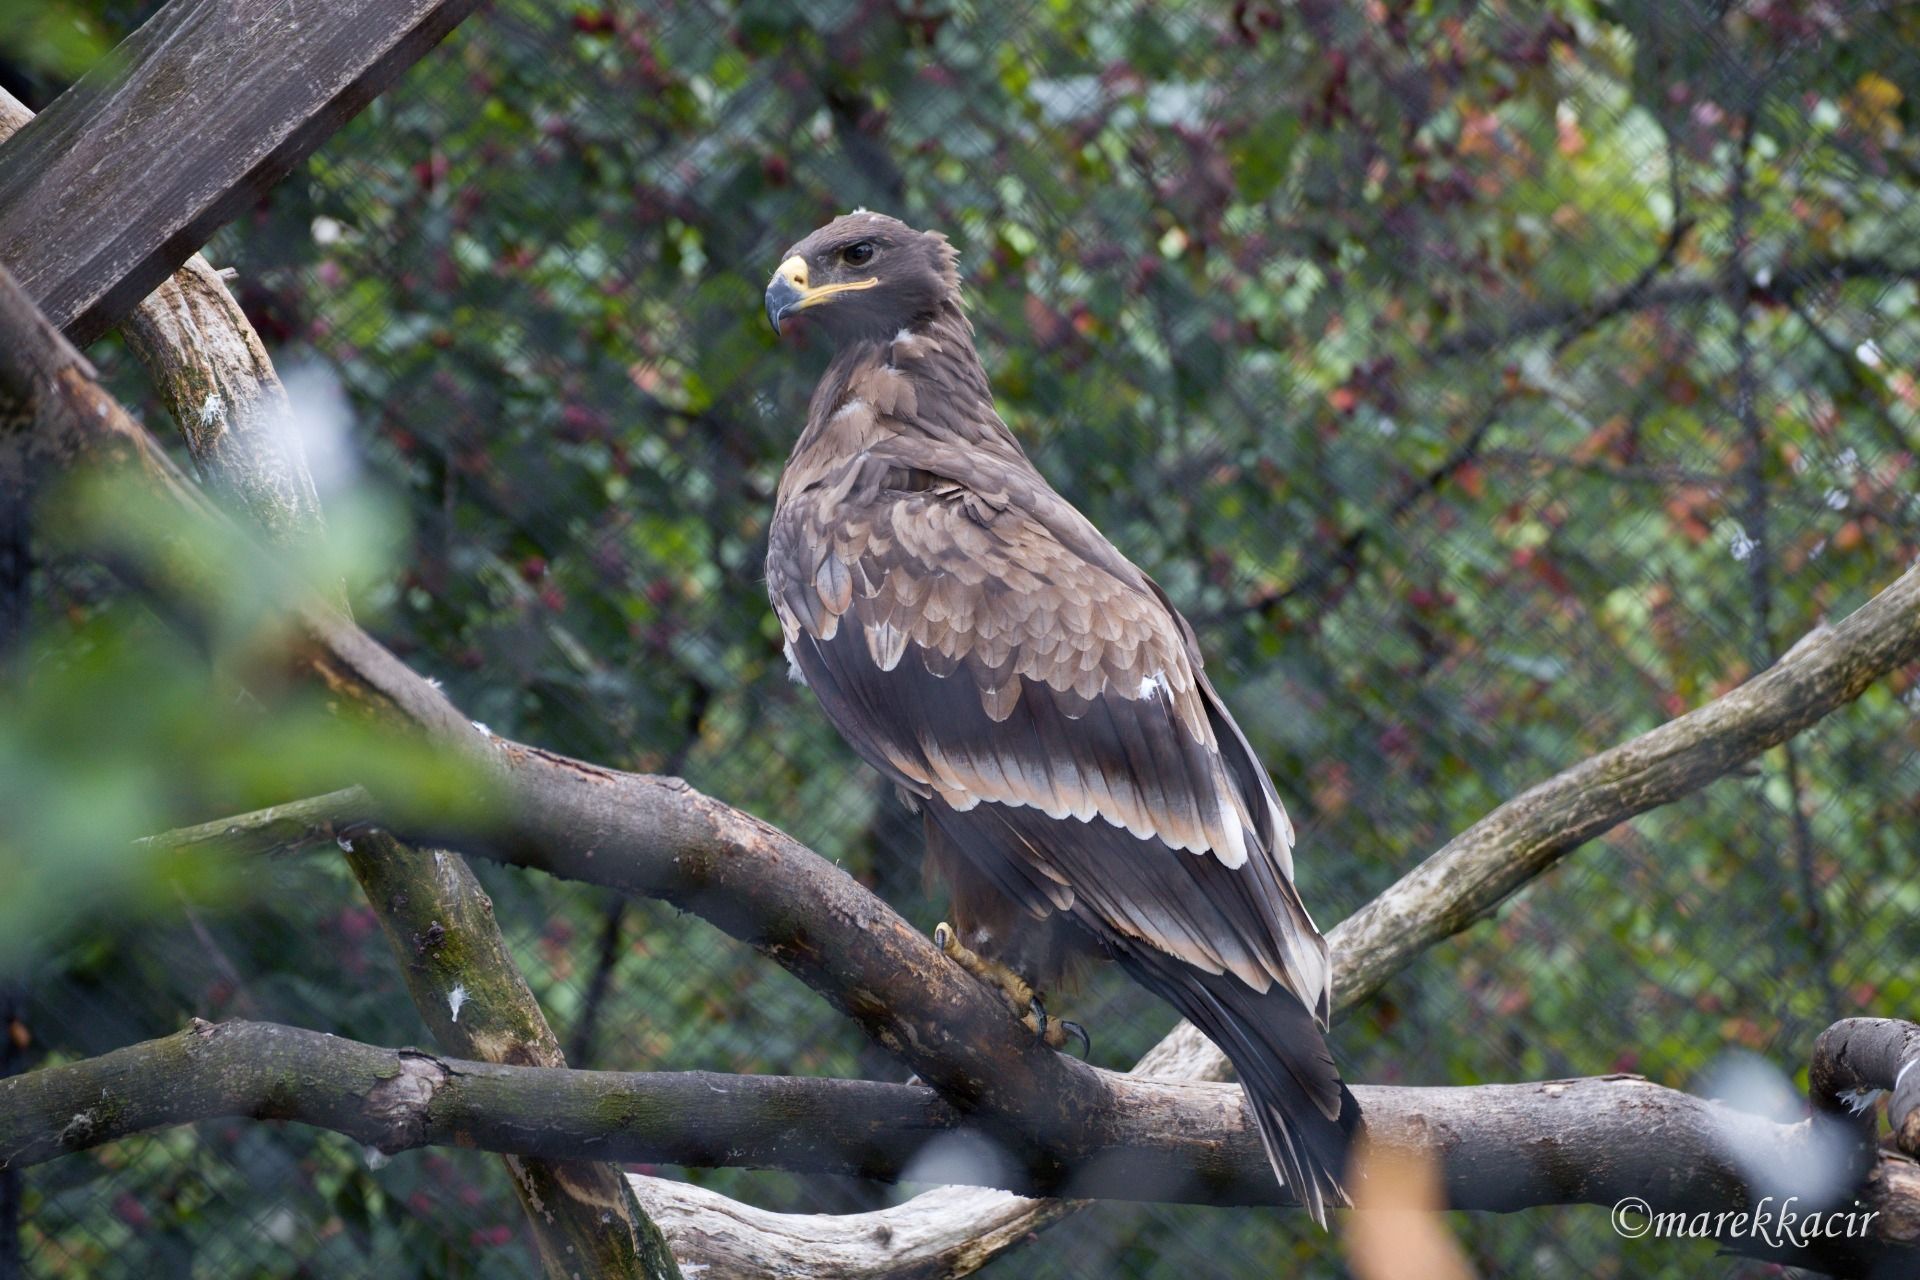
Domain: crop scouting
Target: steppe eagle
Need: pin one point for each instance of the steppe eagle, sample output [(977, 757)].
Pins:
[(1035, 696)]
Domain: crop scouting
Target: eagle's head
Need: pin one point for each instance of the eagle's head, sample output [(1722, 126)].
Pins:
[(864, 275)]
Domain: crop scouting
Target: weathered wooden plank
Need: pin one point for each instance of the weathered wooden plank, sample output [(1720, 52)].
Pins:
[(195, 115)]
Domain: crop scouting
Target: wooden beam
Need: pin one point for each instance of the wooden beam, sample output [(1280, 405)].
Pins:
[(185, 124)]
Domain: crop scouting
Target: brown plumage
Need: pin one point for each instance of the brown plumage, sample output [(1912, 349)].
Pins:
[(1034, 694)]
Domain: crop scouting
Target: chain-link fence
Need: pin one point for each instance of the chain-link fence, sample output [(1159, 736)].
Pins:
[(1488, 383)]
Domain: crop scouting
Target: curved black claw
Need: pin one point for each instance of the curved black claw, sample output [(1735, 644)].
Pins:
[(1074, 1031), (1038, 1012)]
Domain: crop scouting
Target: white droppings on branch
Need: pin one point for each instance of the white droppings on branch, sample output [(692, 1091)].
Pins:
[(457, 999)]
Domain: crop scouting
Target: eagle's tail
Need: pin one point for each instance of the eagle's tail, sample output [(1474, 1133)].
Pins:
[(1308, 1119)]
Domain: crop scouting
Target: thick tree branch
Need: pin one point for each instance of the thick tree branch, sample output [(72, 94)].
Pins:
[(1498, 1147), (1461, 883), (463, 979), (216, 379)]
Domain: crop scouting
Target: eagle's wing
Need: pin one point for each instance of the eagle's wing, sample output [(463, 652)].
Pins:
[(979, 642)]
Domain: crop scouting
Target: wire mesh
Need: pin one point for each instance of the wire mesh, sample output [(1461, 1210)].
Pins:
[(1478, 380)]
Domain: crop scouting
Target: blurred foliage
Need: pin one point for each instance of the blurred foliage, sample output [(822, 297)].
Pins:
[(53, 41), (1480, 385)]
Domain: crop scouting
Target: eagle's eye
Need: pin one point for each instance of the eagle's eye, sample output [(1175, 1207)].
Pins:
[(858, 254)]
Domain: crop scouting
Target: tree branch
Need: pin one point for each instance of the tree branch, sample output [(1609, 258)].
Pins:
[(1785, 283), (280, 829), (216, 379), (1856, 1058), (1498, 1147), (1480, 867)]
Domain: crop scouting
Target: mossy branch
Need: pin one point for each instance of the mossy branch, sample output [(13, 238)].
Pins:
[(1497, 1147)]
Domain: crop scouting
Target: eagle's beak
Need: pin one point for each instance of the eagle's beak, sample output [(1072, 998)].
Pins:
[(789, 292)]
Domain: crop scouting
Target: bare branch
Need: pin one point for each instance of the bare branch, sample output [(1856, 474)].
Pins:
[(939, 1235), (217, 380), (1526, 835), (281, 829), (1498, 1147), (1785, 283), (1856, 1058), (1463, 882)]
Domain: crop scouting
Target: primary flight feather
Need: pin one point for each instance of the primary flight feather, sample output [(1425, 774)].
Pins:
[(1035, 695)]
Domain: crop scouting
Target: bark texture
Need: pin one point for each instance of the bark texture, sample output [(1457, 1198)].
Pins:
[(1497, 1147)]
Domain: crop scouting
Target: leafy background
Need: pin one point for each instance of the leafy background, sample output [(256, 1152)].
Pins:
[(1488, 383)]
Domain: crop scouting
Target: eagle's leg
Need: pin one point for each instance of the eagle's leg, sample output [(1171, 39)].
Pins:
[(1021, 998)]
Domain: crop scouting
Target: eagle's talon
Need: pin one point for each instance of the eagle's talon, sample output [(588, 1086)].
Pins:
[(1071, 1031), (1055, 1033)]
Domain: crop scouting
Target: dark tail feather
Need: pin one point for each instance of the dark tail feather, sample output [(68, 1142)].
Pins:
[(1308, 1119)]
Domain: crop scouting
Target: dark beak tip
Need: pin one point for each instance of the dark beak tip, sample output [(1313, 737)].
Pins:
[(781, 297)]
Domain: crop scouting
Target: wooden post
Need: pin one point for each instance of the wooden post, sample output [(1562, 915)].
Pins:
[(186, 123)]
